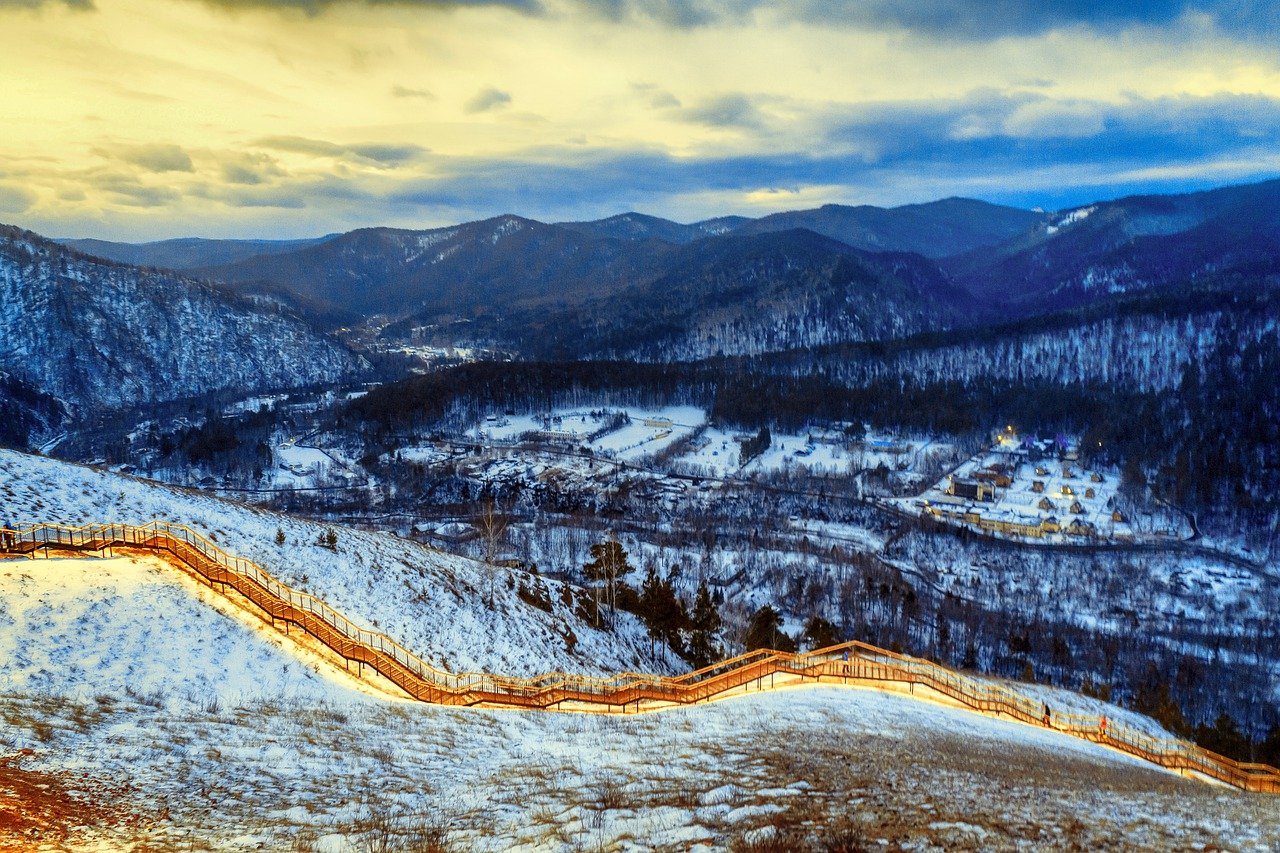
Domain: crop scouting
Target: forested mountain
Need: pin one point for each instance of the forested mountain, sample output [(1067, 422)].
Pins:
[(738, 295), (639, 226), (936, 230), (1138, 344), (1127, 245), (185, 253), (453, 272), (96, 334), (571, 291)]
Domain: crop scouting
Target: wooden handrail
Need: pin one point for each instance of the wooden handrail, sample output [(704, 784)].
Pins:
[(852, 662)]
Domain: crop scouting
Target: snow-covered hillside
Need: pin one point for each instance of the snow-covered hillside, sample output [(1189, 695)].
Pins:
[(132, 626), (1142, 352), (124, 669), (818, 769), (433, 603), (98, 334)]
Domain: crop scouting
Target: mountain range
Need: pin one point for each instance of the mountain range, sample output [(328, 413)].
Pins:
[(81, 333)]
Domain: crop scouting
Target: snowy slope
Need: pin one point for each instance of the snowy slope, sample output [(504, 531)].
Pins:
[(99, 334), (133, 626), (795, 767), (431, 602)]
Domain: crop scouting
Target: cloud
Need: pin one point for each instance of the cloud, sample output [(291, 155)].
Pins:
[(1048, 119), (248, 169), (398, 91), (315, 7), (385, 155), (486, 100), (15, 199), (388, 155), (154, 157), (83, 5), (734, 110), (127, 190)]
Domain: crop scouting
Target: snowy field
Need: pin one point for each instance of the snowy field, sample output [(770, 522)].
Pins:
[(879, 770), (116, 669), (648, 431), (83, 627), (718, 453), (431, 602)]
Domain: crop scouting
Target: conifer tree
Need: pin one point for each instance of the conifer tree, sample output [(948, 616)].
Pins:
[(704, 623)]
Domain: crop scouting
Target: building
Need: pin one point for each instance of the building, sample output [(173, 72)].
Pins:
[(973, 490), (994, 476), (1080, 527), (1068, 491), (1117, 517), (1090, 493), (1045, 503), (1037, 486), (1076, 508), (1096, 477), (658, 423)]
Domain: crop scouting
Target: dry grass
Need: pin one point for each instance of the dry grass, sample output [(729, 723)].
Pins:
[(434, 779)]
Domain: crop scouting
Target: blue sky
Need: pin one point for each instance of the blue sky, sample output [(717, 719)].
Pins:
[(138, 119)]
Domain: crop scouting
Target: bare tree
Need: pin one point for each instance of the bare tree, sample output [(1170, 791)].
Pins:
[(492, 522)]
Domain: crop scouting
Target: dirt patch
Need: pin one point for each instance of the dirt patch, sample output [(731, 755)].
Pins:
[(39, 807)]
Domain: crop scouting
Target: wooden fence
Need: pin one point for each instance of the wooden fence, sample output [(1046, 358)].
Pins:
[(848, 663)]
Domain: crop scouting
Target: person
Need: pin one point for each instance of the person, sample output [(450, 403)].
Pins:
[(845, 656), (1102, 727), (1048, 714)]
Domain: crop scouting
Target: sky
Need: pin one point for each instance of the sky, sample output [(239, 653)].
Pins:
[(146, 119)]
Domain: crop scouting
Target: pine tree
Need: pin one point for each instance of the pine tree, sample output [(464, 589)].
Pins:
[(279, 535), (703, 625), (820, 633), (765, 632)]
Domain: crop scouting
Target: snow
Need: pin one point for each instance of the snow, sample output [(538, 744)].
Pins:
[(81, 627), (429, 601), (244, 744), (282, 775), (1070, 218), (649, 430)]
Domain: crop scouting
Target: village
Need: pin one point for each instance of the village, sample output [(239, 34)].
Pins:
[(1023, 487)]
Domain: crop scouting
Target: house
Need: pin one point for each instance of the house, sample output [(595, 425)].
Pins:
[(1045, 503), (1090, 493), (1068, 491), (1042, 471), (1050, 525), (1067, 473), (1117, 517), (1076, 508), (994, 477), (972, 490), (1037, 486), (1096, 477), (1080, 527), (658, 423)]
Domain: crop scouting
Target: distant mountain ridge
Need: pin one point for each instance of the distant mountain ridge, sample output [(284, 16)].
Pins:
[(185, 253), (640, 286)]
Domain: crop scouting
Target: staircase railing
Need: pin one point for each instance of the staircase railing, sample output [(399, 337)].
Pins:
[(848, 663)]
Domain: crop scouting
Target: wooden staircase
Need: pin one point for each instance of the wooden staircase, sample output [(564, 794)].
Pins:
[(854, 664)]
